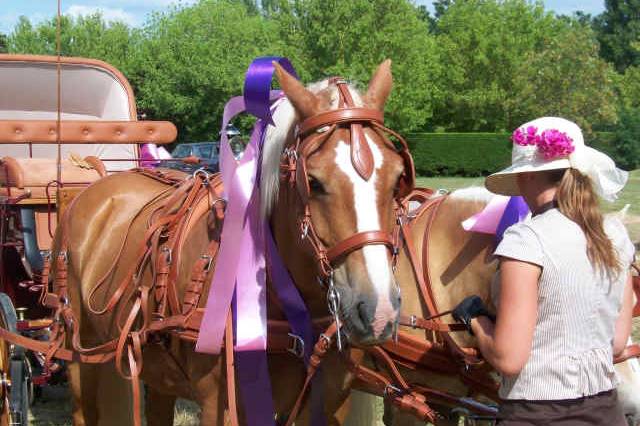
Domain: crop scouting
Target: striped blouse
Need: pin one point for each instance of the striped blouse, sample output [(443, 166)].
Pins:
[(571, 354)]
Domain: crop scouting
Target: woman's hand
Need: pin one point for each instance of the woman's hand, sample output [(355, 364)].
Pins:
[(471, 307), (507, 345)]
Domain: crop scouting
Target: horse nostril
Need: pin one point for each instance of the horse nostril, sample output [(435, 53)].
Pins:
[(366, 314)]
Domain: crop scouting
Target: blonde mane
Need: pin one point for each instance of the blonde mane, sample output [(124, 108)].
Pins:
[(279, 135)]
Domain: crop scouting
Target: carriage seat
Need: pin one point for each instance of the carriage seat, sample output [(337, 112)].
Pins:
[(30, 176)]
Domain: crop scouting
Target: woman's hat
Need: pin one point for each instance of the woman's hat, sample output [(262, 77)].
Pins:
[(551, 143)]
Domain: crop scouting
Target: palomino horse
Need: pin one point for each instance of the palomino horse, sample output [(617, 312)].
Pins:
[(460, 264), (349, 196)]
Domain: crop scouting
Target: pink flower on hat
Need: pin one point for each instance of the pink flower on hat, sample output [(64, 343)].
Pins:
[(554, 143), (551, 143), (525, 137)]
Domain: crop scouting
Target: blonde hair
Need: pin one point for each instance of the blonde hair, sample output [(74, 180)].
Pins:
[(578, 201)]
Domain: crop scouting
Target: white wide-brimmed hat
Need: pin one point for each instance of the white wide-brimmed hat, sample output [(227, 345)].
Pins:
[(551, 143)]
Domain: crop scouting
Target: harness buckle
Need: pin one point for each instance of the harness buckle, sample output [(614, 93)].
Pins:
[(296, 345), (64, 256), (209, 261), (202, 172), (305, 230), (413, 321), (169, 257), (390, 389)]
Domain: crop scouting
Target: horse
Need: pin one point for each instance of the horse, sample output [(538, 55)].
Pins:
[(331, 217), (460, 263)]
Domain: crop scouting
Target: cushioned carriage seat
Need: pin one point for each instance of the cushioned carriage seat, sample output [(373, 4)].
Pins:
[(31, 176)]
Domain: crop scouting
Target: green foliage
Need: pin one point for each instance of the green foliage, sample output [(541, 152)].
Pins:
[(194, 59), (459, 154), (479, 154), (628, 88), (3, 43), (350, 38), (565, 78), (482, 43), (87, 36), (619, 32), (476, 65), (626, 140)]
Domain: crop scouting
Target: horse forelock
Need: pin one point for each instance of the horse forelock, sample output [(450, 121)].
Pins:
[(278, 135)]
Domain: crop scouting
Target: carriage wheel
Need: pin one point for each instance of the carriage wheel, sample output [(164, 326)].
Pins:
[(13, 371)]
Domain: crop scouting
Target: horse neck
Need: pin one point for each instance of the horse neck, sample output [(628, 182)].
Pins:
[(458, 263)]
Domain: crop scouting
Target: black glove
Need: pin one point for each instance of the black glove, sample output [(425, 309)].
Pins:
[(471, 307)]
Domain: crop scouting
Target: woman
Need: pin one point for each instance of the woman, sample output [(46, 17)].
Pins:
[(563, 294)]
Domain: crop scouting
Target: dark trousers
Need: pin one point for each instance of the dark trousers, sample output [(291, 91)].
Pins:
[(600, 409)]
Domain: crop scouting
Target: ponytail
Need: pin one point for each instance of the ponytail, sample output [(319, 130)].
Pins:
[(578, 201)]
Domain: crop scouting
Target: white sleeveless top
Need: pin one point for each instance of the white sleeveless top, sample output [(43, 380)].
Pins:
[(571, 354)]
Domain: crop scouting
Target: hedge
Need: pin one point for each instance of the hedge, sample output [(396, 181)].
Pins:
[(474, 154)]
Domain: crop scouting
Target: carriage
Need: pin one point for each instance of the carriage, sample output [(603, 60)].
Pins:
[(64, 123)]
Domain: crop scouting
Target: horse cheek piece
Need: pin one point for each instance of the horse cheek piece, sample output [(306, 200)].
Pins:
[(312, 133)]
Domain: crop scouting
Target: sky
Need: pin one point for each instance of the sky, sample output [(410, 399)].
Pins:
[(134, 12)]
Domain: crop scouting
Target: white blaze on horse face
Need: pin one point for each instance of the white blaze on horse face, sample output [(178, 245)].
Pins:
[(368, 219)]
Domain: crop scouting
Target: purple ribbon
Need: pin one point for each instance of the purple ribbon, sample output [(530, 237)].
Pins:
[(150, 153), (257, 85), (240, 275), (516, 210), (500, 213)]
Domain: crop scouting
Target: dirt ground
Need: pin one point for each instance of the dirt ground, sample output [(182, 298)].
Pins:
[(53, 408)]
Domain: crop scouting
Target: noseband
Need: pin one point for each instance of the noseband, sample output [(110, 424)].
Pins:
[(312, 133)]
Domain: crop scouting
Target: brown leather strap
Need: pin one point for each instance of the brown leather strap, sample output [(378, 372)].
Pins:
[(320, 350), (430, 324), (339, 116), (357, 241)]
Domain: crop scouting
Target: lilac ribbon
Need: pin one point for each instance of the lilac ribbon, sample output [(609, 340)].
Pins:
[(500, 213), (240, 264), (150, 153)]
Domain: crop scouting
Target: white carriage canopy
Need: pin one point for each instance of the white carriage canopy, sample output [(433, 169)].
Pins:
[(89, 91)]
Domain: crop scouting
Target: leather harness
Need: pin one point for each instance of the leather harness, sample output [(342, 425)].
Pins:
[(184, 202), (146, 311)]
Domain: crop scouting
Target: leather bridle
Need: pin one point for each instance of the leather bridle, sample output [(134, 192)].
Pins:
[(312, 133)]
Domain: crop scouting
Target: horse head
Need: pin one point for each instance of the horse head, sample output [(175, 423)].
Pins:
[(330, 181)]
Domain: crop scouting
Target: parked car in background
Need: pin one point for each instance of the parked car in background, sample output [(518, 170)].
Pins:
[(206, 152)]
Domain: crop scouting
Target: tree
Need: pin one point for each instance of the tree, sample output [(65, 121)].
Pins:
[(618, 30), (566, 78), (194, 59), (3, 43), (627, 139), (350, 38), (628, 88), (483, 43), (86, 36)]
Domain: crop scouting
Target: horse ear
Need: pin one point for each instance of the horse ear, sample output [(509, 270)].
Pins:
[(380, 86), (305, 102)]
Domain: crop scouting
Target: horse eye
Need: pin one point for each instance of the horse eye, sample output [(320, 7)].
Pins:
[(315, 186), (396, 188)]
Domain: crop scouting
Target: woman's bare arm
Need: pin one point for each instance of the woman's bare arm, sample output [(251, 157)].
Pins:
[(623, 323), (507, 344)]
